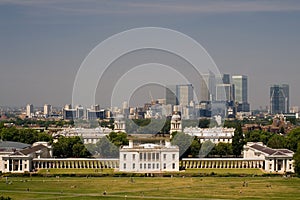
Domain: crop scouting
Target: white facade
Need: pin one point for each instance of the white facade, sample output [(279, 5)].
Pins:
[(176, 125), (29, 110), (276, 160), (119, 124), (215, 135), (89, 136), (47, 109), (149, 158)]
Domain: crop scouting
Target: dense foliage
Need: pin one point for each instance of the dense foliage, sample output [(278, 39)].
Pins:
[(70, 147)]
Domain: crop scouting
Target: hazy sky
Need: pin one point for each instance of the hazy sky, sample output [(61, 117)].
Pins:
[(43, 43)]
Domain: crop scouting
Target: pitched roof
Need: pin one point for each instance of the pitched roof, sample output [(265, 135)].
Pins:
[(272, 152), (13, 145), (32, 149)]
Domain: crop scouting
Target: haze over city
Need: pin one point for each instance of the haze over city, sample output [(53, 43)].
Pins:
[(44, 43)]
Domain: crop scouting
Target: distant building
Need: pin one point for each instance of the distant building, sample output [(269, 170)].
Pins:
[(184, 94), (149, 158), (241, 92), (171, 95), (215, 135), (279, 99), (275, 160), (47, 109), (208, 87), (176, 124), (119, 124), (29, 110), (20, 161)]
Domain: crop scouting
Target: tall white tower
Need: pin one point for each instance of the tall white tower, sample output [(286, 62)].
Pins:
[(176, 125), (29, 110), (47, 109)]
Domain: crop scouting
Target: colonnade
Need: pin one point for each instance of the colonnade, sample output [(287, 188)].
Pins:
[(75, 163), (221, 163), (114, 163)]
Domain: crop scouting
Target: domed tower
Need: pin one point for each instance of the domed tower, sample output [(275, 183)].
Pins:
[(119, 124), (176, 123)]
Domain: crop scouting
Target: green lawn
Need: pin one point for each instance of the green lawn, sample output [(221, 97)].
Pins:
[(150, 188)]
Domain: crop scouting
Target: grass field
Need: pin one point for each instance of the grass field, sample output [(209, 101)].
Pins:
[(150, 188)]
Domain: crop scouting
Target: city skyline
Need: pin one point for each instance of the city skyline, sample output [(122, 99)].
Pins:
[(43, 43)]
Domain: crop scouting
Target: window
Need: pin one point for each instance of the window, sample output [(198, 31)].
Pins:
[(149, 156), (141, 166), (141, 156), (290, 166), (133, 165), (25, 166), (165, 165), (5, 166), (173, 165), (133, 156), (145, 156), (165, 156), (145, 166), (157, 156), (124, 156), (149, 165), (153, 166), (173, 156), (153, 156), (157, 166), (124, 166)]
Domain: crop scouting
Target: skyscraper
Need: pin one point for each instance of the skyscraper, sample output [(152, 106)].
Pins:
[(184, 94), (29, 110), (240, 83), (208, 87), (171, 95), (224, 90), (47, 109), (279, 99)]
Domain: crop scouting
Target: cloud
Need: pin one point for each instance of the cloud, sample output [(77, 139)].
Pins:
[(93, 7)]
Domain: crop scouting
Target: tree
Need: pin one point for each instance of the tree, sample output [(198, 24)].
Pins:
[(118, 139), (106, 149), (195, 147), (276, 141), (70, 147), (297, 161), (253, 136), (183, 141), (292, 139), (206, 148), (204, 123), (223, 149), (238, 140)]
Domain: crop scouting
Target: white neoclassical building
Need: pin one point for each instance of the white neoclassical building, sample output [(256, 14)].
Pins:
[(176, 124), (275, 160), (149, 158), (89, 136), (119, 124), (215, 134)]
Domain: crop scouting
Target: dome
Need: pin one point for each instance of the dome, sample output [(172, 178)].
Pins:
[(176, 117)]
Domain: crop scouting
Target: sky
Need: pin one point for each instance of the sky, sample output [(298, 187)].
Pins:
[(43, 43)]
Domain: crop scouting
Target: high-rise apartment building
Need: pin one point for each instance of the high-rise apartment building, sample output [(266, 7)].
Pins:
[(29, 110), (184, 94), (208, 87), (171, 95), (47, 109), (240, 83), (279, 99)]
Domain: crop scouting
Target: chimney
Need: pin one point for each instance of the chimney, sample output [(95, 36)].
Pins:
[(130, 144)]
